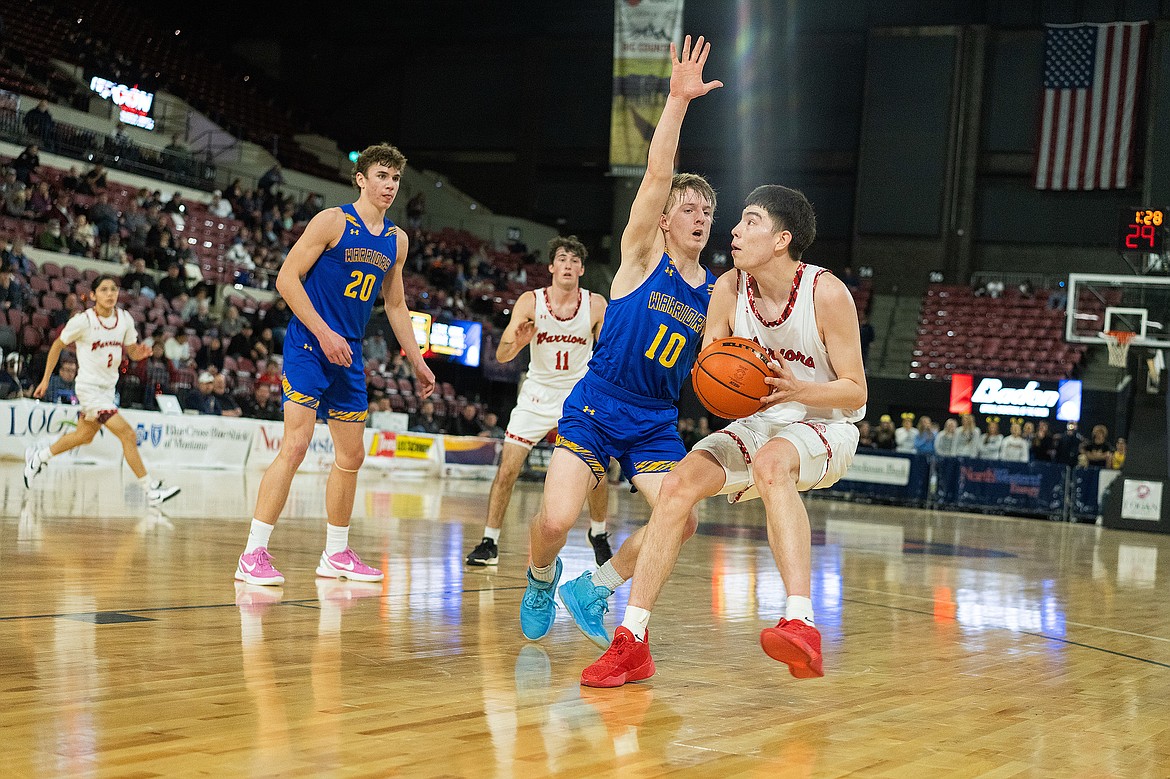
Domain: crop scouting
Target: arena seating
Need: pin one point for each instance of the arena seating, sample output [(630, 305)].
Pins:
[(1010, 335)]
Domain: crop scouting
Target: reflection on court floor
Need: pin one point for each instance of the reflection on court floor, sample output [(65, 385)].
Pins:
[(952, 642)]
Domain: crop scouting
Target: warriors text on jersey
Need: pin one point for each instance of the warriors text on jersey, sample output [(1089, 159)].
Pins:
[(99, 345), (651, 336), (561, 348), (344, 283), (795, 339)]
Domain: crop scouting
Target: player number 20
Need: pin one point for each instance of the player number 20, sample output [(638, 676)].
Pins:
[(671, 351), (362, 285)]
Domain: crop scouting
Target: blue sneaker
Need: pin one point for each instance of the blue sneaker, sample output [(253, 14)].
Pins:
[(587, 604), (538, 609)]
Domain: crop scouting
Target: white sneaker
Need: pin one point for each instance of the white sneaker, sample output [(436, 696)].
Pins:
[(33, 464), (159, 492)]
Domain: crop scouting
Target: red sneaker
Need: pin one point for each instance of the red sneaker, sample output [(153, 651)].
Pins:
[(626, 660), (797, 644)]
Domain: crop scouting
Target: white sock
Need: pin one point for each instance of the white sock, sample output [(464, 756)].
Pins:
[(258, 536), (493, 533), (607, 576), (636, 620), (336, 539), (596, 528), (799, 607), (147, 482), (44, 454), (544, 574)]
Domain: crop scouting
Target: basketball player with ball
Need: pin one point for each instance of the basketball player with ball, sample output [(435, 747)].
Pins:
[(802, 436)]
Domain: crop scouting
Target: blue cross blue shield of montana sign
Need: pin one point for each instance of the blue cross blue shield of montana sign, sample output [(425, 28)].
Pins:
[(156, 431)]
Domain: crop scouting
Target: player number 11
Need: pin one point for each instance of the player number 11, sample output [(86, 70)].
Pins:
[(671, 351)]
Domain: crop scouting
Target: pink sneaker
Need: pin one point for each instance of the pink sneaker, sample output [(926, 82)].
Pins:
[(347, 565), (256, 568)]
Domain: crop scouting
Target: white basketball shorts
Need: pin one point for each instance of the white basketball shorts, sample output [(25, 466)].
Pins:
[(538, 410)]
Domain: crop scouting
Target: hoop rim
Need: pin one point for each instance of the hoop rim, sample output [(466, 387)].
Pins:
[(1121, 337)]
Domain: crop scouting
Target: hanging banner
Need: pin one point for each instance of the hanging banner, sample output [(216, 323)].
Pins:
[(643, 30)]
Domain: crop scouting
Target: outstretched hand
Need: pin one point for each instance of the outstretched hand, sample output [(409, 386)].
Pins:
[(686, 75)]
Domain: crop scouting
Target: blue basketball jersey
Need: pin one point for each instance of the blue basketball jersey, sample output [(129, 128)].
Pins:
[(345, 282), (651, 336)]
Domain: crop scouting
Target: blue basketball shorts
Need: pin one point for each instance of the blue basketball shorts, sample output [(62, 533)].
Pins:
[(601, 421), (310, 380)]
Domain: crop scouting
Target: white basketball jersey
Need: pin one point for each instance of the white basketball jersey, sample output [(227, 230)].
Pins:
[(792, 338), (561, 348), (99, 345)]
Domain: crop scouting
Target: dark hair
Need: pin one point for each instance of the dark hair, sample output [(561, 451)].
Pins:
[(569, 243), (98, 281), (789, 210), (379, 154)]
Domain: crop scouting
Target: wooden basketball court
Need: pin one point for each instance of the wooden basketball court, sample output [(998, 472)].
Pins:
[(955, 645)]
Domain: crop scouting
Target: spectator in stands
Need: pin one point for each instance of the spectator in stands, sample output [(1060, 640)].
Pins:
[(82, 238), (271, 179), (220, 207), (38, 122), (263, 345), (970, 437), (946, 443), (17, 259), (62, 212), (158, 373), (885, 437), (241, 343), (138, 280), (865, 434), (992, 289), (178, 349), (177, 156), (374, 349), (867, 337), (120, 143), (261, 404), (1097, 451), (137, 226), (12, 294), (399, 368), (172, 285), (467, 423), (211, 353), (491, 426), (232, 323), (26, 163), (992, 440), (94, 180), (1028, 432), (201, 398), (277, 318), (104, 216), (1068, 445), (40, 202), (161, 254), (1118, 458), (61, 384), (416, 208), (424, 421), (240, 255), (71, 180), (906, 435), (71, 308), (228, 407), (16, 204), (271, 375), (13, 383), (1058, 298), (1043, 444), (924, 442), (1027, 291), (1014, 448), (113, 250), (175, 205)]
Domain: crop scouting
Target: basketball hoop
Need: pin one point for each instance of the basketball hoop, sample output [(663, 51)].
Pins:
[(1118, 343)]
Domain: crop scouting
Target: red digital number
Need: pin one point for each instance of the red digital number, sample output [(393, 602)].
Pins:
[(1140, 232)]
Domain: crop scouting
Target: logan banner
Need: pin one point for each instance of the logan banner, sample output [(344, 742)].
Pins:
[(643, 30)]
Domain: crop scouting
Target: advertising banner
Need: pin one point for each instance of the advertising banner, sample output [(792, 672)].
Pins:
[(266, 443), (1020, 398), (470, 458), (1034, 488), (889, 475), (24, 422), (192, 441), (643, 30)]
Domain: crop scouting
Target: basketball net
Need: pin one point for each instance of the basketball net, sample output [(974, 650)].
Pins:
[(1118, 343)]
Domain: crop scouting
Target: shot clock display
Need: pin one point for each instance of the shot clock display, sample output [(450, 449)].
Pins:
[(1142, 230)]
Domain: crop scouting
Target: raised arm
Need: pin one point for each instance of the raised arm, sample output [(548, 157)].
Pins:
[(394, 295), (721, 309), (643, 240), (323, 232), (521, 327)]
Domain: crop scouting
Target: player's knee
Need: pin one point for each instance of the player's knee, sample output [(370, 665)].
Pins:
[(776, 464), (676, 487), (350, 459), (88, 434), (294, 448)]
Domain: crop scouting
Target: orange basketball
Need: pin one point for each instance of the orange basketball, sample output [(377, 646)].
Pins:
[(729, 377)]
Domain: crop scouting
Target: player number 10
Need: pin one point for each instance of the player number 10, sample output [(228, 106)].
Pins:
[(363, 280), (671, 351)]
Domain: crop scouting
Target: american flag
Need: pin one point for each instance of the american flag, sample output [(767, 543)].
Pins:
[(1091, 76)]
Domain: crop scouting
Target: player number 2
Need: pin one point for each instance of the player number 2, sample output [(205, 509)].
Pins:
[(363, 280), (671, 351), (562, 361)]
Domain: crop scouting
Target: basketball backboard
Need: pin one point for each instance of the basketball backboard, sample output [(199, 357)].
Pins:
[(1099, 302)]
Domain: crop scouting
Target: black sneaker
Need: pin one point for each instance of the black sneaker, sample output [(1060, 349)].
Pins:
[(487, 553), (601, 550)]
